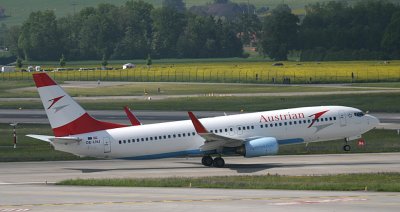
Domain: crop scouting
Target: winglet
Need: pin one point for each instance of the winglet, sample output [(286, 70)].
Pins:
[(197, 124), (132, 118)]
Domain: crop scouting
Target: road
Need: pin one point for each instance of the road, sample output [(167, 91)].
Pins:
[(23, 187)]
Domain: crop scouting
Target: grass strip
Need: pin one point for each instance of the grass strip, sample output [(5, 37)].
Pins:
[(382, 102), (389, 182)]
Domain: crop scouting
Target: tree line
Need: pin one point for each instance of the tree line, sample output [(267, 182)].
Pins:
[(132, 31), (369, 29)]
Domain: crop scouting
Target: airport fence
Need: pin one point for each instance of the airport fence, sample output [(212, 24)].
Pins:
[(232, 74)]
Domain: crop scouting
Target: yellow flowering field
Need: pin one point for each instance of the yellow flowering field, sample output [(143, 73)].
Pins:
[(238, 72)]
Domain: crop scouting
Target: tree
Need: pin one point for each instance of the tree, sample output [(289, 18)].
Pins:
[(39, 39), (19, 62), (137, 26), (177, 5), (62, 61), (168, 25), (104, 61), (391, 38), (279, 33), (149, 62)]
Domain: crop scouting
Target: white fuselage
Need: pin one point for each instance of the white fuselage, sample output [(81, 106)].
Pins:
[(288, 126)]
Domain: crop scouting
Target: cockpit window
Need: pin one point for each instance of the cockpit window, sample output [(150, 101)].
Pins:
[(359, 114)]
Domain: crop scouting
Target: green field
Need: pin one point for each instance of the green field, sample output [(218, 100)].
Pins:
[(382, 103), (18, 89), (19, 10), (29, 149), (389, 182), (233, 72)]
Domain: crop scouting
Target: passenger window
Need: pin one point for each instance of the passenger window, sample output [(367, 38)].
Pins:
[(124, 142), (276, 124), (239, 128), (193, 133), (330, 118), (290, 123), (179, 135), (142, 139), (147, 139), (295, 122), (266, 125), (271, 125), (261, 126), (119, 141), (252, 127), (280, 124), (334, 118), (174, 135)]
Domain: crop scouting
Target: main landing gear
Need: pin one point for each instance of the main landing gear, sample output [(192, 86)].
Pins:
[(346, 147), (216, 162)]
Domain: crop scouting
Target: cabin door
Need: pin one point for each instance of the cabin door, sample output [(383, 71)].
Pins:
[(107, 145)]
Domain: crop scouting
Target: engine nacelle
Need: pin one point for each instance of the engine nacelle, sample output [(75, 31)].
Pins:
[(259, 147)]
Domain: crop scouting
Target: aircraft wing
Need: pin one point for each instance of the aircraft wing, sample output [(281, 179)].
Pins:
[(59, 140), (212, 141)]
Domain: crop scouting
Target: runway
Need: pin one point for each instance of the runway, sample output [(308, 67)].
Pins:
[(23, 185), (62, 198), (53, 171)]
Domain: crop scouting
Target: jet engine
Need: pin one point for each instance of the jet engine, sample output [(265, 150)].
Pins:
[(259, 147)]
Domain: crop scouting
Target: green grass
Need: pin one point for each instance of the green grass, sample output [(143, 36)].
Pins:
[(389, 182), (376, 141), (13, 89), (378, 85), (28, 149), (368, 102)]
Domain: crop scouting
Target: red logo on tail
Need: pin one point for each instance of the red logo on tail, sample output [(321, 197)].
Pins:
[(54, 101)]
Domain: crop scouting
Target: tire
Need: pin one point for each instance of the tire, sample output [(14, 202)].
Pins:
[(219, 162), (207, 161), (346, 148)]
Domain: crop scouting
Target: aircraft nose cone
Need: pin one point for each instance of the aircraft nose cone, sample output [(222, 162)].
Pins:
[(373, 121)]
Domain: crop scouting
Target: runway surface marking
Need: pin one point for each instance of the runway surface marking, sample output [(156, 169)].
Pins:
[(14, 209), (276, 201)]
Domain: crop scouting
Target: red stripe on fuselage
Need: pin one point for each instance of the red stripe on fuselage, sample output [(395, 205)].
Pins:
[(42, 80), (84, 124)]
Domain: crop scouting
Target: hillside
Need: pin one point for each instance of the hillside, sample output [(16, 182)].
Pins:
[(18, 10)]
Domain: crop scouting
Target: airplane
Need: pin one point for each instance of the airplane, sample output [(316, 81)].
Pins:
[(247, 134)]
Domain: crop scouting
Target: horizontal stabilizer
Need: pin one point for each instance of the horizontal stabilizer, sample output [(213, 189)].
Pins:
[(58, 140), (41, 137)]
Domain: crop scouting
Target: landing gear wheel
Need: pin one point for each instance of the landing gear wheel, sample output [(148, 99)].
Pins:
[(207, 160), (219, 162), (346, 148)]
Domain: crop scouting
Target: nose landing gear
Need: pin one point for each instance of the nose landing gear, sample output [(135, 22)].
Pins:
[(216, 162)]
